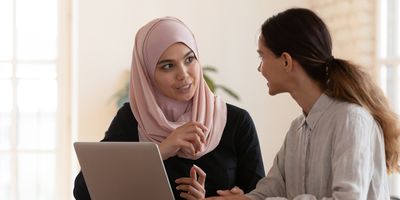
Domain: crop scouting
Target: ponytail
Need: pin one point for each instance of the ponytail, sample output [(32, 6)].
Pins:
[(349, 83)]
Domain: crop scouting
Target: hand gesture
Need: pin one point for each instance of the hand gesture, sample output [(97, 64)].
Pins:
[(192, 187), (233, 194), (188, 138)]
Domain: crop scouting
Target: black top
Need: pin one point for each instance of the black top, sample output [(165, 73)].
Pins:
[(236, 161)]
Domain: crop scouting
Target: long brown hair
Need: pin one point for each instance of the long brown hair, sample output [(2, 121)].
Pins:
[(302, 34)]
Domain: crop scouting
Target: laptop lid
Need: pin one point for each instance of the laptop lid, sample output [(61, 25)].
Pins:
[(123, 170)]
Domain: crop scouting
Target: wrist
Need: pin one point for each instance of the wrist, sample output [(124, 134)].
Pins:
[(164, 154)]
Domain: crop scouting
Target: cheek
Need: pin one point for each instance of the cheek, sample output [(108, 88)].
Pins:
[(195, 72), (264, 68), (162, 81), (158, 81)]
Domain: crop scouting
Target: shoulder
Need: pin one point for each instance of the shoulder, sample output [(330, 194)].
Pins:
[(123, 127), (297, 122), (125, 113), (344, 111), (234, 112), (345, 118), (239, 127), (238, 120), (125, 109)]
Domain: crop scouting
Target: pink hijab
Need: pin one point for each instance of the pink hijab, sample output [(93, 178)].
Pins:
[(158, 115)]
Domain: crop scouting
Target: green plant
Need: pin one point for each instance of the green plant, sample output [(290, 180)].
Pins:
[(214, 86), (122, 95)]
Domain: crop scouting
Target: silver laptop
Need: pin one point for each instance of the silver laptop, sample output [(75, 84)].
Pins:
[(123, 170)]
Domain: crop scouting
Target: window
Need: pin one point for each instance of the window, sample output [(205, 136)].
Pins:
[(389, 50), (389, 62), (31, 89)]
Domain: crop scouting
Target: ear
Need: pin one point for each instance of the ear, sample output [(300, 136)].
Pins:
[(287, 61)]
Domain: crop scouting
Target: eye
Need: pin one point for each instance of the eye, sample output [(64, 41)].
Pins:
[(189, 59), (166, 66), (261, 58)]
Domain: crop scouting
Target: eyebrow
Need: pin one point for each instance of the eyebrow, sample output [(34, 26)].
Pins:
[(259, 51), (169, 60)]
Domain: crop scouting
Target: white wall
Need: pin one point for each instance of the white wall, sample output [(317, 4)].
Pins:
[(226, 32)]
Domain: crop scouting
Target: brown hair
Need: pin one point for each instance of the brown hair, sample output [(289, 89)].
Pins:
[(302, 34)]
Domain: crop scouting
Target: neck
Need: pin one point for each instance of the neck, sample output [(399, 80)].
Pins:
[(306, 93)]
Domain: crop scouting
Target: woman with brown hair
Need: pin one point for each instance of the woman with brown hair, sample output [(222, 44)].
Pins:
[(346, 140)]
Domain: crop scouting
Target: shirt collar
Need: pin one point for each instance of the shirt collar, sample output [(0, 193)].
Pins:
[(317, 110)]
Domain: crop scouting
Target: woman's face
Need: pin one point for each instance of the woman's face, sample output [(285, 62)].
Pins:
[(272, 68), (177, 73)]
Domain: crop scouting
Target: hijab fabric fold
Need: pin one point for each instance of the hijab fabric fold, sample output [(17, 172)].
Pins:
[(158, 115)]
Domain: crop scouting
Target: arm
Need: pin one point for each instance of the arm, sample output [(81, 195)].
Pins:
[(268, 188), (354, 143), (273, 185), (352, 161), (123, 127), (250, 167), (80, 190)]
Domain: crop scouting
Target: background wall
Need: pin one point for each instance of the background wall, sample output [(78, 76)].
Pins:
[(354, 32), (226, 32)]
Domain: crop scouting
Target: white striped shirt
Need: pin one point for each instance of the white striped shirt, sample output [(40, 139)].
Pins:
[(335, 152)]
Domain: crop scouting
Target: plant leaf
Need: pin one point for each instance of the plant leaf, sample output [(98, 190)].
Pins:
[(210, 68), (209, 82), (229, 91)]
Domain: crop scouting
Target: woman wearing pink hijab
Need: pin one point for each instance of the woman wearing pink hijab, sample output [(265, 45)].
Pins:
[(171, 105)]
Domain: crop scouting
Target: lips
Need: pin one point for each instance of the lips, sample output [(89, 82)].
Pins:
[(184, 86)]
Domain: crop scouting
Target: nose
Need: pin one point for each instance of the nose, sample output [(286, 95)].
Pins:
[(182, 72), (259, 67)]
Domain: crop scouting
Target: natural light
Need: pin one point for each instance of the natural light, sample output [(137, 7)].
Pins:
[(29, 99), (389, 63), (34, 72)]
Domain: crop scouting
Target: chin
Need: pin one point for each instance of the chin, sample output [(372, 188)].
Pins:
[(184, 98), (272, 92), (276, 92)]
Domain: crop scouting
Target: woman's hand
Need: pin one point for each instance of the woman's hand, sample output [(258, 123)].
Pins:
[(233, 197), (234, 191), (188, 138), (233, 194), (192, 187)]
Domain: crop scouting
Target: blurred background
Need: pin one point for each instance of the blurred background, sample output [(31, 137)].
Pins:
[(63, 61)]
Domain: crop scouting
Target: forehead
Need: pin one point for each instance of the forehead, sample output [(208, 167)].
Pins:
[(261, 45), (261, 41), (176, 49)]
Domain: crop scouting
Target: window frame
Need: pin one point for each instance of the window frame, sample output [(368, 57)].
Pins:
[(381, 23), (63, 147)]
